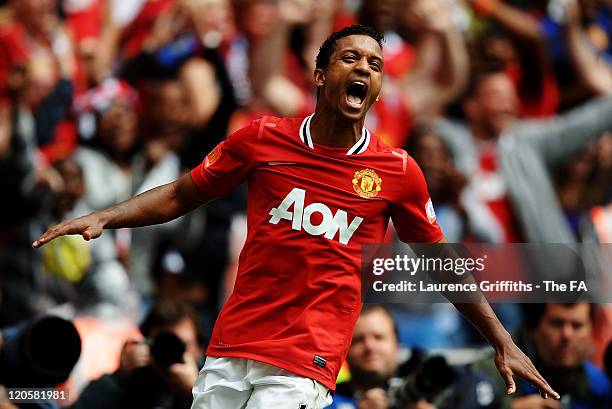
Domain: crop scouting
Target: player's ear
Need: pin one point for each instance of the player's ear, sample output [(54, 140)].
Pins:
[(319, 77)]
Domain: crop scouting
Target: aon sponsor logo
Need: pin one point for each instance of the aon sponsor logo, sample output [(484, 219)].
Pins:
[(301, 218)]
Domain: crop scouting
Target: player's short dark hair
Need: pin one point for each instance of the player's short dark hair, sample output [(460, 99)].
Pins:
[(329, 45), (533, 313), (369, 308)]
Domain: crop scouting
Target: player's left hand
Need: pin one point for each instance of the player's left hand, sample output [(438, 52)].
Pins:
[(511, 361)]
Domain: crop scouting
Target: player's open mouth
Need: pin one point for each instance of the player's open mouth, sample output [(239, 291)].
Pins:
[(355, 94)]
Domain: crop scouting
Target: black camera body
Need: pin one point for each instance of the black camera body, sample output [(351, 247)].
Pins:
[(445, 386), (147, 386), (167, 349), (38, 353), (429, 378)]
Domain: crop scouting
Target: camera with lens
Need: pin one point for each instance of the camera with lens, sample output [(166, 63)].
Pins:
[(38, 353), (445, 386), (147, 386), (428, 378), (167, 349)]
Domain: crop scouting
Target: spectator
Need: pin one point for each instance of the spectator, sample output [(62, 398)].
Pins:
[(26, 186), (107, 164), (508, 161), (441, 69), (541, 27), (263, 81), (144, 382), (444, 181), (426, 64), (584, 183), (558, 339), (438, 325), (39, 61), (125, 27), (373, 359), (516, 42), (38, 353), (119, 164), (186, 44), (165, 120), (593, 66), (102, 279)]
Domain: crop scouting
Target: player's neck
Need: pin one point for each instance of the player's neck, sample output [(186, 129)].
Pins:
[(328, 129)]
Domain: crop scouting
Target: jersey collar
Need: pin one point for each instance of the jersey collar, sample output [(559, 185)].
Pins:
[(360, 146)]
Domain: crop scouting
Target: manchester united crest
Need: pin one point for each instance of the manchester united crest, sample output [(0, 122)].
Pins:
[(366, 183)]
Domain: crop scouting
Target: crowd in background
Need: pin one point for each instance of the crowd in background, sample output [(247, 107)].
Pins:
[(505, 104)]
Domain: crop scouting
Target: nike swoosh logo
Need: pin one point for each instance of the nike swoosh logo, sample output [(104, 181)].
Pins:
[(281, 163)]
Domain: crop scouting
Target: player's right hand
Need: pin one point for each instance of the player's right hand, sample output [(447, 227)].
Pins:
[(90, 227)]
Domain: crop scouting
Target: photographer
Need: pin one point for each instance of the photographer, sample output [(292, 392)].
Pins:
[(156, 371), (378, 381), (37, 353), (558, 338)]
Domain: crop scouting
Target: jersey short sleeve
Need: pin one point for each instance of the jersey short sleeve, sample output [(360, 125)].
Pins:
[(413, 214), (228, 164)]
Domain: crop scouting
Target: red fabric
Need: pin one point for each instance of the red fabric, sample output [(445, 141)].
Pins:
[(497, 201), (137, 32), (13, 52), (399, 60), (63, 144), (393, 121), (392, 117), (298, 287), (85, 22), (545, 106), (104, 95), (343, 19)]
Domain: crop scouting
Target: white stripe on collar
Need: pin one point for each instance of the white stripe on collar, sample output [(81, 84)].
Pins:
[(362, 143), (305, 132), (360, 146)]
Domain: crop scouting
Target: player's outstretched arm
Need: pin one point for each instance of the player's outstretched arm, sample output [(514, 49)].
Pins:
[(509, 359), (158, 205)]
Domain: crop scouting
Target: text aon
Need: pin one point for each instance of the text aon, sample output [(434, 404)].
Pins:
[(301, 217)]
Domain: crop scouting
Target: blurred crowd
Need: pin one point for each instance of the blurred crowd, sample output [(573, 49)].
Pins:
[(505, 104)]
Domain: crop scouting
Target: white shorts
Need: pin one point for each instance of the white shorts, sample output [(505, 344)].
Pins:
[(237, 383)]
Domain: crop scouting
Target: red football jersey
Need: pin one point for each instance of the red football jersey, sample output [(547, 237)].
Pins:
[(298, 289)]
